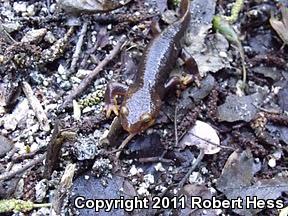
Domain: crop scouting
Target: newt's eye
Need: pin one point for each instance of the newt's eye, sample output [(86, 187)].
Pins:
[(124, 111), (146, 118)]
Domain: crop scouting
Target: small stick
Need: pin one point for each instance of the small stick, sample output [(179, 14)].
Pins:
[(79, 44), (211, 143), (123, 144), (90, 77), (154, 159), (36, 106), (175, 126), (63, 189), (9, 175), (4, 34), (193, 167)]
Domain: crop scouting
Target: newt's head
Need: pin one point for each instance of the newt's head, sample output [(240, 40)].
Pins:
[(139, 111)]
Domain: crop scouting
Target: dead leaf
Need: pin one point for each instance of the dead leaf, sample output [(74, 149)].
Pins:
[(238, 108), (281, 27), (196, 191), (238, 170), (92, 187), (203, 136), (236, 181)]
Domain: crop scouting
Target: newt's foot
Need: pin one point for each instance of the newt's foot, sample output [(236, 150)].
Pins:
[(109, 108), (186, 80)]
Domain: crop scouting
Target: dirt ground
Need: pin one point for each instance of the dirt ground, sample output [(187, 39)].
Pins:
[(223, 137)]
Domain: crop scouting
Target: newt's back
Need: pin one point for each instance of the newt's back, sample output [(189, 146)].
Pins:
[(142, 102), (162, 52)]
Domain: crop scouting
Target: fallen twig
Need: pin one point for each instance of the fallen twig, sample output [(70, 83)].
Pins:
[(79, 44), (175, 126), (4, 34), (90, 77), (193, 167), (54, 147), (26, 166), (63, 189), (123, 144), (36, 106)]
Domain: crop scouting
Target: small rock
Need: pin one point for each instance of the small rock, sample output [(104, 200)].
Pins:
[(49, 37), (20, 6), (66, 85), (85, 148), (195, 177), (238, 108), (272, 162), (11, 26), (34, 36), (5, 145), (36, 78), (133, 171), (207, 84), (223, 54), (31, 10), (11, 121), (169, 16), (82, 73), (41, 190), (52, 8)]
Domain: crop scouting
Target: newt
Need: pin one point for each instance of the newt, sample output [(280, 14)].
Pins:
[(142, 100)]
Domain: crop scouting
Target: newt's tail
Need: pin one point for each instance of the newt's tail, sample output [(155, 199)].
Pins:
[(185, 15), (184, 8)]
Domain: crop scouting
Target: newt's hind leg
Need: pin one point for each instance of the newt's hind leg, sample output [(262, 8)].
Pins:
[(113, 89), (155, 28), (191, 68)]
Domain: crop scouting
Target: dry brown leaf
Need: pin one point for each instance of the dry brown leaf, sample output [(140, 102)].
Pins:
[(281, 27)]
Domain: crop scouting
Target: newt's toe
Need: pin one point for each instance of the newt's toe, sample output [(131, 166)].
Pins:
[(186, 80), (109, 108)]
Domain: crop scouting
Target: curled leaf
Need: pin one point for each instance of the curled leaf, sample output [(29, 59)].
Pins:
[(203, 136)]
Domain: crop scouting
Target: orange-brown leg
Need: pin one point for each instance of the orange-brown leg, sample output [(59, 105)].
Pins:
[(113, 89)]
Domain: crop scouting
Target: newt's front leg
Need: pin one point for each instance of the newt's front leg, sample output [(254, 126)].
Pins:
[(113, 89)]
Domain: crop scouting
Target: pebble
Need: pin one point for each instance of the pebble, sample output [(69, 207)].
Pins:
[(81, 73), (45, 83), (12, 26), (11, 120), (75, 80), (223, 54), (20, 6), (52, 8), (34, 36), (5, 145), (36, 78), (49, 37), (85, 148), (41, 190), (31, 10), (66, 85), (133, 171), (159, 167), (272, 162)]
